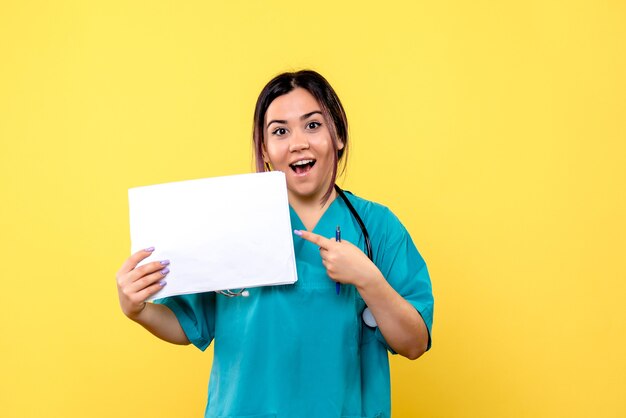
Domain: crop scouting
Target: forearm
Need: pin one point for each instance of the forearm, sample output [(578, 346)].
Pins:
[(398, 321), (162, 322)]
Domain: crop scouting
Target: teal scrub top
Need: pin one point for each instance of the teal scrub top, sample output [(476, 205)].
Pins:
[(301, 350)]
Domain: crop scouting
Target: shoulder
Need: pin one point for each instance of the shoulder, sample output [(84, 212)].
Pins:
[(369, 208), (390, 239), (375, 215)]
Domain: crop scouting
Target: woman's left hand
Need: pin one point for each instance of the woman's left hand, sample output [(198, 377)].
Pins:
[(400, 323), (344, 262)]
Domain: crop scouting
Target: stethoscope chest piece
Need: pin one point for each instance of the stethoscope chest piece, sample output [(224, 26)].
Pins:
[(234, 293), (368, 318)]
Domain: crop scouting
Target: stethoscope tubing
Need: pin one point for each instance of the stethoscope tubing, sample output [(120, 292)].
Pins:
[(355, 214), (368, 318)]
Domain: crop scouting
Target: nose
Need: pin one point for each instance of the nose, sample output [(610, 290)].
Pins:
[(298, 142)]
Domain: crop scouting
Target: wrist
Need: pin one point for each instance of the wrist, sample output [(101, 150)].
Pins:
[(137, 314), (370, 281)]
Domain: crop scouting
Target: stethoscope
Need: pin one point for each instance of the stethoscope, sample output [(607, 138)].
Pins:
[(368, 318)]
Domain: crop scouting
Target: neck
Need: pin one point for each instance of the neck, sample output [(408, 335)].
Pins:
[(310, 209)]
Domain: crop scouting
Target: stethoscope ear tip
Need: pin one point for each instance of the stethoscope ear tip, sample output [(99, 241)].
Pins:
[(245, 293)]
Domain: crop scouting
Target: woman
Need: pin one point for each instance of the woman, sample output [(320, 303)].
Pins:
[(303, 350)]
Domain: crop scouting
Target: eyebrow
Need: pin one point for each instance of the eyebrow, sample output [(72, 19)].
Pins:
[(303, 117)]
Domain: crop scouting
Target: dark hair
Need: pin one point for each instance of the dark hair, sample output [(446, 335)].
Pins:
[(331, 108)]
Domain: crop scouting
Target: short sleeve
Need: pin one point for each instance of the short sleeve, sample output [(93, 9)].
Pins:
[(196, 315), (405, 270)]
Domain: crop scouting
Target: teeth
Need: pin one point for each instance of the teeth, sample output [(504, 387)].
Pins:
[(302, 162)]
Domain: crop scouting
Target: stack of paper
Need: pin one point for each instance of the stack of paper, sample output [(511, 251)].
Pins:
[(218, 233)]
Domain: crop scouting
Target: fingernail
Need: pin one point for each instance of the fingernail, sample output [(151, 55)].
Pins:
[(297, 232), (165, 271), (165, 262), (149, 249), (162, 283)]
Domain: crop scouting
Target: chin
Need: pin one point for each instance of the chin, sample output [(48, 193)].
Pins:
[(308, 193)]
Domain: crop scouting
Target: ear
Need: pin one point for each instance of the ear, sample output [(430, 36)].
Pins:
[(266, 159), (340, 144)]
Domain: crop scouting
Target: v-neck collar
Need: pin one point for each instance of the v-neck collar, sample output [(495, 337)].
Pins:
[(327, 213)]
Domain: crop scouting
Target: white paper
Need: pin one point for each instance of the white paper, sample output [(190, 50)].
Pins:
[(218, 233)]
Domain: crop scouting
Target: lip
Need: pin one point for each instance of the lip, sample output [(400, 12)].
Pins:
[(301, 175), (302, 159)]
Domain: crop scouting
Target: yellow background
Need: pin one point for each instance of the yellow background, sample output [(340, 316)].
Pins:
[(494, 130)]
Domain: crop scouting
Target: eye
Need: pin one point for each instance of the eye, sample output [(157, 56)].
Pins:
[(279, 131), (313, 125)]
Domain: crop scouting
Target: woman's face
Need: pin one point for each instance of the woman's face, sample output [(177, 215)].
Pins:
[(298, 143)]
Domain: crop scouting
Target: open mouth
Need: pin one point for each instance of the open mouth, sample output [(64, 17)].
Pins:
[(302, 166)]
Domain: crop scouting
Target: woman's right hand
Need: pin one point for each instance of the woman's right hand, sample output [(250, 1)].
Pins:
[(136, 284)]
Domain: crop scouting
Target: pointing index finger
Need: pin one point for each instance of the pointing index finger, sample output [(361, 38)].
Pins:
[(318, 240)]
